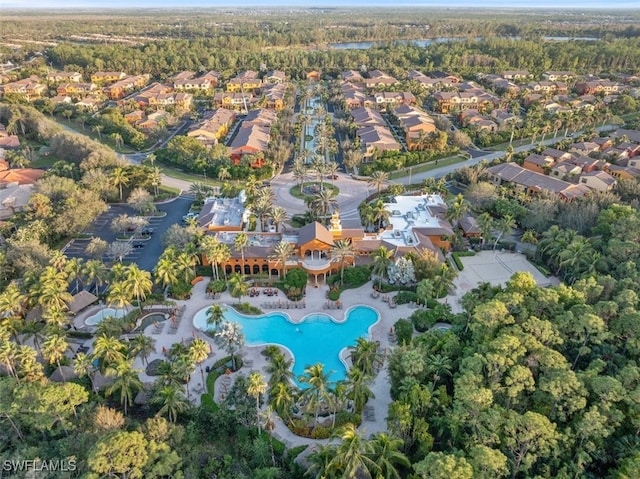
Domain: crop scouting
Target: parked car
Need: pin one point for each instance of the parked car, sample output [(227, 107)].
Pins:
[(189, 216), (138, 245), (147, 231)]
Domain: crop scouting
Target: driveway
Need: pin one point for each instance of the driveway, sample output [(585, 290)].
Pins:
[(146, 256)]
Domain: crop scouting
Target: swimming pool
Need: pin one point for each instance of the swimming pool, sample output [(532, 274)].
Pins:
[(97, 318), (319, 338)]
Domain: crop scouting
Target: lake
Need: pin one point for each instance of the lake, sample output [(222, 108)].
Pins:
[(431, 41)]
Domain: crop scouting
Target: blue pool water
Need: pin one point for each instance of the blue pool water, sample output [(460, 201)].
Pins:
[(317, 339), (103, 313)]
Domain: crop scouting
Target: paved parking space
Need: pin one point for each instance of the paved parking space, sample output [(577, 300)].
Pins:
[(145, 256)]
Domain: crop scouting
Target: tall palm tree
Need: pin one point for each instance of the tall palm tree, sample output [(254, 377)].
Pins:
[(83, 366), (256, 387), (199, 352), (322, 203), (238, 287), (185, 264), (208, 247), (119, 178), (457, 209), (353, 456), (504, 226), (332, 169), (387, 455), (321, 462), (378, 179), (279, 369), (8, 356), (172, 400), (126, 381), (282, 251), (108, 351), (12, 301), (165, 271), (143, 346), (318, 391), (222, 255), (282, 399), (438, 365), (53, 350), (485, 223), (215, 315), (119, 295), (279, 215), (358, 388), (240, 243), (299, 173), (340, 252), (95, 272), (382, 258), (138, 283), (364, 355)]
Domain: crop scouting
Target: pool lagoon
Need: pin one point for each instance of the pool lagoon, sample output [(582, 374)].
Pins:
[(97, 318), (318, 338)]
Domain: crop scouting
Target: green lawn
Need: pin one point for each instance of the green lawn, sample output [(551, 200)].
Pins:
[(295, 190), (394, 175)]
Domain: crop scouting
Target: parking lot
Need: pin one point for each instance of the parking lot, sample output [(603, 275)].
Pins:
[(145, 251)]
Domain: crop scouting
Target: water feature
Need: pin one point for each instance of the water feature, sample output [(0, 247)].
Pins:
[(318, 338), (98, 317), (431, 41)]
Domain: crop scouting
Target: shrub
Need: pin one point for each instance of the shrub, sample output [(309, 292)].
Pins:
[(404, 297), (345, 417), (295, 451), (247, 308), (334, 294), (353, 277), (456, 258), (217, 286), (320, 432), (182, 290), (404, 331), (422, 320)]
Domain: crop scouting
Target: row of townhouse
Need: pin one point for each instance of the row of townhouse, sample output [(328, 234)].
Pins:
[(470, 96), (213, 127), (253, 136), (271, 95), (373, 131), (416, 125), (117, 90), (144, 122), (76, 88), (373, 78), (355, 97), (162, 96), (434, 80), (550, 170), (30, 88), (190, 82)]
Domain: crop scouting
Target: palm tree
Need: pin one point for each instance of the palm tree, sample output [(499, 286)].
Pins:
[(365, 355), (108, 350), (357, 386), (126, 381), (340, 252), (485, 223), (321, 462), (279, 215), (119, 295), (322, 203), (438, 365), (282, 251), (12, 301), (8, 356), (223, 174), (332, 169), (143, 346), (382, 258), (279, 369), (256, 387), (215, 315), (95, 272), (240, 242), (83, 366), (53, 350), (387, 455), (576, 258), (352, 459), (98, 129), (119, 178), (505, 226), (318, 390), (138, 283), (199, 352), (457, 209), (299, 173), (208, 247), (378, 179), (172, 399), (165, 270), (238, 287), (282, 399), (185, 264)]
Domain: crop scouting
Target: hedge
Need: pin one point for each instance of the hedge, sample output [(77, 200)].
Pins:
[(456, 258)]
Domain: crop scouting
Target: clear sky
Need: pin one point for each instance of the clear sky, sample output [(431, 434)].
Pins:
[(82, 4)]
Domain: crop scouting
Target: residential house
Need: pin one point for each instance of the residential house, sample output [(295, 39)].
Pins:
[(416, 124), (61, 99), (538, 163), (352, 76), (14, 197), (153, 120), (103, 78), (223, 214), (598, 86), (250, 139), (565, 170), (275, 77), (518, 75), (75, 89), (118, 89), (533, 183), (623, 172), (390, 99), (376, 138), (314, 75), (214, 127), (469, 226), (564, 76), (90, 103), (59, 77), (246, 82), (134, 117), (234, 101), (30, 88), (598, 180), (273, 95), (584, 148), (547, 88), (377, 78)]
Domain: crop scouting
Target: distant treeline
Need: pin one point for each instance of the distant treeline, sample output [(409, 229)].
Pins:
[(163, 58)]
